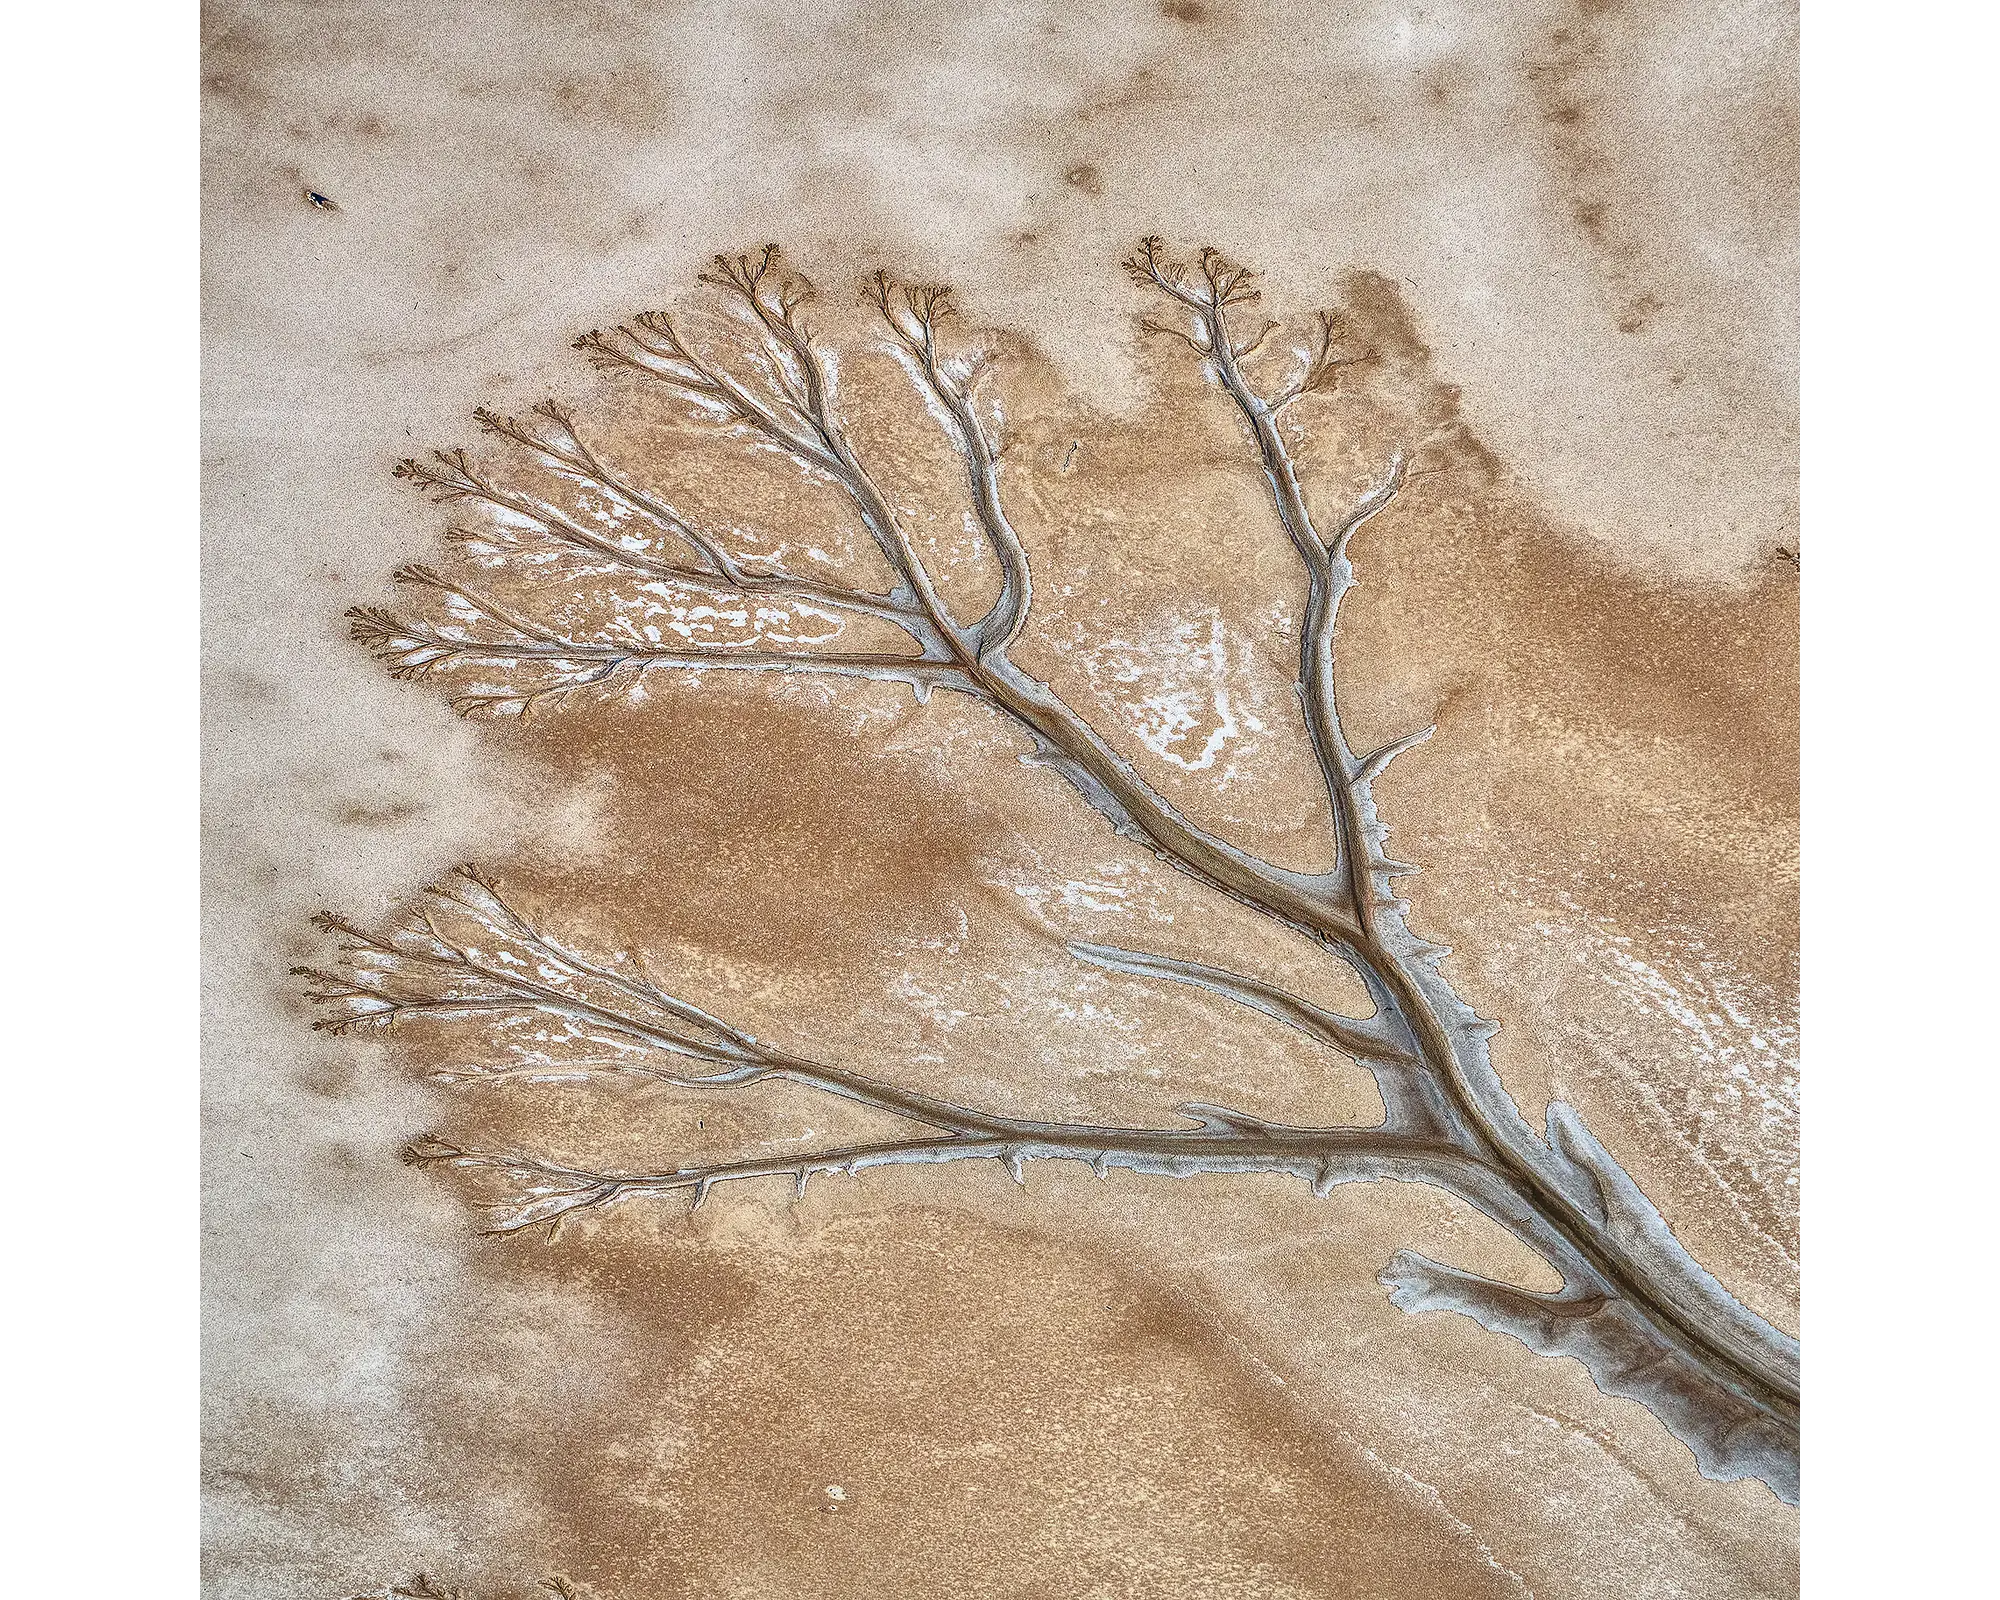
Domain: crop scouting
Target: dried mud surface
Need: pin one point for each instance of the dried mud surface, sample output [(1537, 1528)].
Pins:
[(1566, 235)]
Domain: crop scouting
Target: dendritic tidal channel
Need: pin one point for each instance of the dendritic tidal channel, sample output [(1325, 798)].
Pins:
[(1640, 1314)]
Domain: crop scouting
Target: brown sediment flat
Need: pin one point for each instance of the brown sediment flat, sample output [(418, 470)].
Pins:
[(1080, 1388)]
